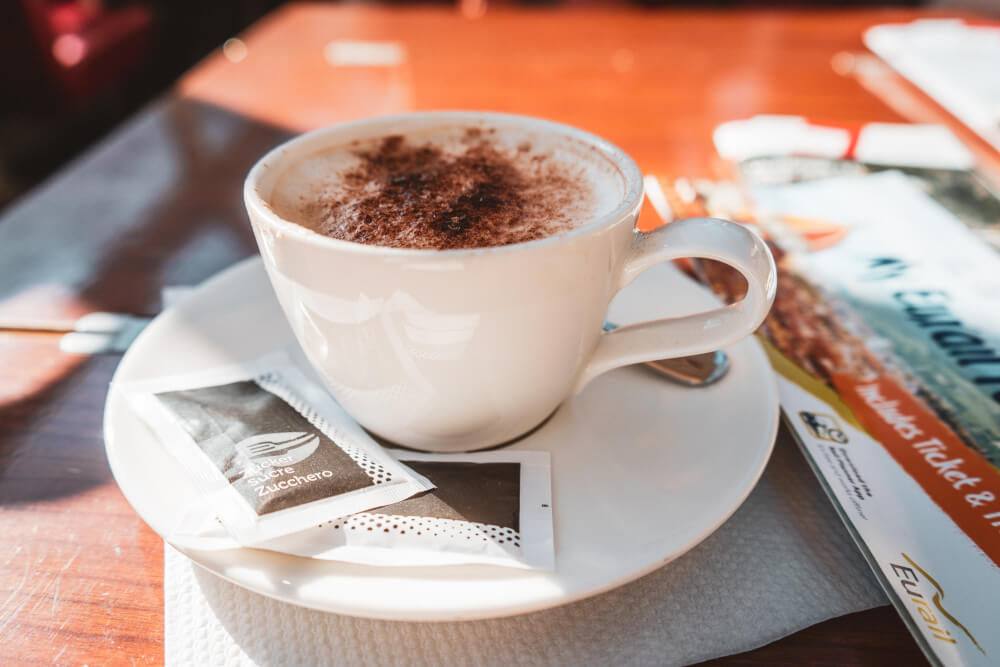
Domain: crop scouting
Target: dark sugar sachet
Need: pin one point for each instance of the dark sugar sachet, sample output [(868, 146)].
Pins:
[(271, 452)]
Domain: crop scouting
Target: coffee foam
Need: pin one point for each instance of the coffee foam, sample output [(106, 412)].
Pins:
[(459, 186)]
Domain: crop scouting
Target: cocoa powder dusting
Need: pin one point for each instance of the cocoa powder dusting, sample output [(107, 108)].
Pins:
[(408, 195)]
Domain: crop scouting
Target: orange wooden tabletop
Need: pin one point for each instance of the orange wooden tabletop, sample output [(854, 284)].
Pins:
[(158, 203)]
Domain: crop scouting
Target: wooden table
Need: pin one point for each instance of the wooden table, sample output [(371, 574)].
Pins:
[(158, 203)]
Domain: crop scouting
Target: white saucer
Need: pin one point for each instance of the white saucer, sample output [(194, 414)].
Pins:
[(642, 469)]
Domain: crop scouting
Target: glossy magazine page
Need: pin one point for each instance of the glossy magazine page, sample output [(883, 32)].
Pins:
[(885, 334)]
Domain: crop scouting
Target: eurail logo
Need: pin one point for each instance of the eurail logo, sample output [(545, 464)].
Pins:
[(923, 591), (823, 427)]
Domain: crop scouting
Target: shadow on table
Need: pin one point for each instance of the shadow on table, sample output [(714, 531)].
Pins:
[(158, 203)]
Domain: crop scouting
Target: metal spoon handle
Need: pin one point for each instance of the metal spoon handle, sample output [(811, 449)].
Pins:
[(697, 370)]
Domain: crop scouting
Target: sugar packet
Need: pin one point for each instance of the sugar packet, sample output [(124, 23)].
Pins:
[(487, 507), (270, 452)]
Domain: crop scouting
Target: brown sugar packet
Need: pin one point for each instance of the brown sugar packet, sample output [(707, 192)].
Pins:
[(271, 452), (487, 507)]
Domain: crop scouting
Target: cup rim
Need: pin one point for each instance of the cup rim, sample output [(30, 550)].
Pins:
[(630, 200)]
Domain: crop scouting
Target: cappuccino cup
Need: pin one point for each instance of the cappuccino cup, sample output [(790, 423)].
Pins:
[(462, 348)]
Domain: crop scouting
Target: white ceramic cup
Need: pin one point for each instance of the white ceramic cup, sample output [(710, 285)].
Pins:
[(454, 350)]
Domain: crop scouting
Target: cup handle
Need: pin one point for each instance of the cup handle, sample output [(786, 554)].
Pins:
[(709, 238)]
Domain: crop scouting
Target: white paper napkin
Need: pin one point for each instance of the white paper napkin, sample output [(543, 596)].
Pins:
[(783, 562)]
